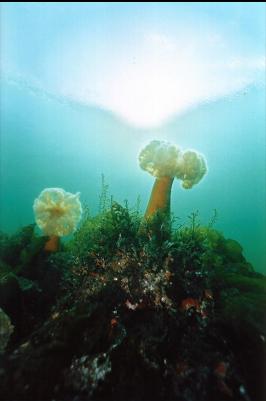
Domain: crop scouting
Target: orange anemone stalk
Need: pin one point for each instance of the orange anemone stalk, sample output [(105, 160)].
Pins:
[(160, 196), (52, 245)]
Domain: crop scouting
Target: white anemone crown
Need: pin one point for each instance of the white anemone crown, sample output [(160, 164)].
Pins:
[(57, 212)]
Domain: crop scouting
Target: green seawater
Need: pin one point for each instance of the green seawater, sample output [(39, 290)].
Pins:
[(50, 142)]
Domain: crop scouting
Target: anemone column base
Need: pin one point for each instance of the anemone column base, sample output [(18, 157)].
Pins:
[(52, 245)]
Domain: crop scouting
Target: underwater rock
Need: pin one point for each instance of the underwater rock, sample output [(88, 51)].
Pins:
[(30, 283), (6, 329), (119, 314), (11, 298)]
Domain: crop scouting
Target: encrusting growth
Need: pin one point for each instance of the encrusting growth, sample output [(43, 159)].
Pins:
[(166, 162), (57, 214)]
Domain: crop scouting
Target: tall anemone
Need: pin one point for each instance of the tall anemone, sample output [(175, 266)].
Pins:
[(57, 214), (166, 161)]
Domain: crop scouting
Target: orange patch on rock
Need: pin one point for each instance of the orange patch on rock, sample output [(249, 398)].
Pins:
[(188, 303)]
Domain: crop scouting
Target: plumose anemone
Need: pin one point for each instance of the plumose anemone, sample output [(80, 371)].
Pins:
[(57, 214), (166, 161)]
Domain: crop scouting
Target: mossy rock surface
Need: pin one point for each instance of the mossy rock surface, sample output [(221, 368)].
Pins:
[(133, 311)]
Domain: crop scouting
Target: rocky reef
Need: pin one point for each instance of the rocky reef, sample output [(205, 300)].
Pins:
[(131, 310)]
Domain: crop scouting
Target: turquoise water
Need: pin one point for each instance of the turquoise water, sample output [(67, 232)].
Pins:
[(91, 96), (49, 142)]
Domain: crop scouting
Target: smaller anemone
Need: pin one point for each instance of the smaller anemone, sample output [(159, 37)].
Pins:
[(166, 161), (57, 213)]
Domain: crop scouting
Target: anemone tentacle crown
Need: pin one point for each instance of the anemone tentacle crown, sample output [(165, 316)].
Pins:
[(57, 212), (163, 159)]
